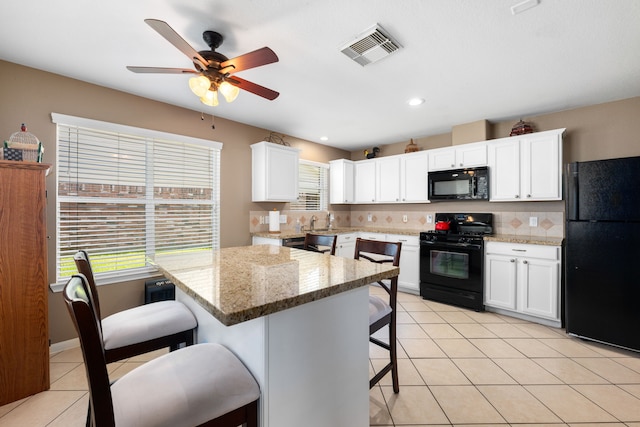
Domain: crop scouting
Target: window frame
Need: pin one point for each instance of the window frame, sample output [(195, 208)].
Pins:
[(150, 137), (323, 193)]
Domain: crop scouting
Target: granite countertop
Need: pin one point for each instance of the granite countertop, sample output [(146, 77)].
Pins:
[(529, 240), (244, 283), (341, 230)]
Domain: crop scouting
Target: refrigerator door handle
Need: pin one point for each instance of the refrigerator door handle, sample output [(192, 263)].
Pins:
[(572, 191)]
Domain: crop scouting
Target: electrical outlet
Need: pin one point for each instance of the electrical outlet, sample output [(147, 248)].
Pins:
[(261, 219), (283, 219), (369, 217), (533, 221), (429, 219), (405, 218)]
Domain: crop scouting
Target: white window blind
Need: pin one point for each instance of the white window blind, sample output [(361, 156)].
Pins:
[(313, 187), (125, 194)]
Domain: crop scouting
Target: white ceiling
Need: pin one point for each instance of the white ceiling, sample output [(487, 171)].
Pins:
[(469, 59)]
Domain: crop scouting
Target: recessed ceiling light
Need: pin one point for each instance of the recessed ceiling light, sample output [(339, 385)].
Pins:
[(324, 138), (415, 101)]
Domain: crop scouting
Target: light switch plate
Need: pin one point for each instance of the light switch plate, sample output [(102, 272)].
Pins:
[(369, 217), (405, 218), (429, 219), (533, 221)]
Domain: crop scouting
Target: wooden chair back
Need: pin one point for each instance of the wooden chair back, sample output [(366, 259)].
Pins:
[(87, 325), (83, 265), (312, 242)]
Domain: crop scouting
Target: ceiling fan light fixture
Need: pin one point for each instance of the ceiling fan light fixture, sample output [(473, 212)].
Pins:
[(210, 98), (199, 85), (229, 91)]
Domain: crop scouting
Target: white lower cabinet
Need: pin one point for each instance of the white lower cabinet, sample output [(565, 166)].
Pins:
[(346, 245), (523, 280), (257, 240), (409, 279)]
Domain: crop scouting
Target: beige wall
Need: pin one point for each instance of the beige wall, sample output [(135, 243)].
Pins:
[(30, 96)]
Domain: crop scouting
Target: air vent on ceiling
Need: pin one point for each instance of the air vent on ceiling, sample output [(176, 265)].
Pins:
[(371, 46)]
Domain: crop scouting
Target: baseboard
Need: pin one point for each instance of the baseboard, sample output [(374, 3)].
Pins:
[(64, 345)]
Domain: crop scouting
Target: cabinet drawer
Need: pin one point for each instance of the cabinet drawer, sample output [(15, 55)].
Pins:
[(523, 250), (346, 238), (406, 240)]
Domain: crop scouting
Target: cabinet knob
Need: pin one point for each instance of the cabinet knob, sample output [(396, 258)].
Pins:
[(517, 196), (373, 200), (528, 195), (452, 165), (512, 260), (461, 164), (525, 262)]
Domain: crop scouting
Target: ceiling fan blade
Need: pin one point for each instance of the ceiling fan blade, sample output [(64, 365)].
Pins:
[(159, 70), (253, 59), (175, 39), (253, 88)]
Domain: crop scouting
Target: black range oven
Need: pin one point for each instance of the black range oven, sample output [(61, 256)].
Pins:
[(452, 259)]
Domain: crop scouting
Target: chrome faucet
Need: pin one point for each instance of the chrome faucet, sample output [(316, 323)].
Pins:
[(328, 220), (312, 222)]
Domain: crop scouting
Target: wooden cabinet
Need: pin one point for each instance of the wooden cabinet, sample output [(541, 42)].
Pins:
[(274, 172), (24, 331), (527, 167), (341, 174), (462, 156), (524, 279)]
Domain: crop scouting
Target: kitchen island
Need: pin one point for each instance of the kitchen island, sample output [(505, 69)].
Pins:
[(297, 319)]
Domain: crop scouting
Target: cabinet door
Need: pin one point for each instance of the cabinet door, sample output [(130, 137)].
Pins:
[(504, 170), (346, 245), (538, 281), (500, 281), (472, 155), (365, 181), (388, 179), (341, 181), (442, 159), (413, 178), (541, 167), (274, 172), (409, 278)]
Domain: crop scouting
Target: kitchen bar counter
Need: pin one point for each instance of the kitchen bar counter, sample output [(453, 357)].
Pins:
[(298, 320), (243, 283)]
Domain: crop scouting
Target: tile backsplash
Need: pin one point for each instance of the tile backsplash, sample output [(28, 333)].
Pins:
[(549, 224)]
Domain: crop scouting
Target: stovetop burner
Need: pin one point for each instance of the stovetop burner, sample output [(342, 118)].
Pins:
[(462, 228)]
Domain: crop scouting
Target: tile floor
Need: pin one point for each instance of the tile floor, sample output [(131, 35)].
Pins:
[(457, 368)]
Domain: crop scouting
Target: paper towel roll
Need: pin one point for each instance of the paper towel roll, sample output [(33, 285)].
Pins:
[(274, 222)]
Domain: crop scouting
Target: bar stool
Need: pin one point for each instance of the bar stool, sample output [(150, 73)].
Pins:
[(383, 312), (199, 385), (140, 329), (312, 242)]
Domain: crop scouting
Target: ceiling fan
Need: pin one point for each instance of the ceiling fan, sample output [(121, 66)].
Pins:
[(214, 70)]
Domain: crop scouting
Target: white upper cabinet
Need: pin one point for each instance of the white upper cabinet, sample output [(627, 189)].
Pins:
[(274, 172), (462, 156), (341, 174), (527, 167), (365, 181), (388, 179), (413, 177)]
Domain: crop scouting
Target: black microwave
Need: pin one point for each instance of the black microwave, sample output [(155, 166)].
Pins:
[(459, 184)]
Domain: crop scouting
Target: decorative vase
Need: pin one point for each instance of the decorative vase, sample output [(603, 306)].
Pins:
[(521, 128), (411, 147)]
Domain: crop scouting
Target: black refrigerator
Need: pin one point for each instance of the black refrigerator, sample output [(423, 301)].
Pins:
[(602, 251)]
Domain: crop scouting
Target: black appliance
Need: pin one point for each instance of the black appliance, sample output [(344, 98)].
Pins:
[(294, 242), (452, 261), (459, 184), (602, 279)]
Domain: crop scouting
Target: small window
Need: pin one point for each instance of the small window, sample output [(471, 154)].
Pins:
[(313, 187)]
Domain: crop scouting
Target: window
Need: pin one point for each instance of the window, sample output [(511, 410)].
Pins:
[(313, 187), (125, 194)]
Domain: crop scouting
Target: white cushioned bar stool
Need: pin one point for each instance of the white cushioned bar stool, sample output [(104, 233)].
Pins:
[(139, 329), (199, 385), (382, 312)]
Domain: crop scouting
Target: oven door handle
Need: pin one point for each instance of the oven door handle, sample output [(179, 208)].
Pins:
[(452, 245)]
